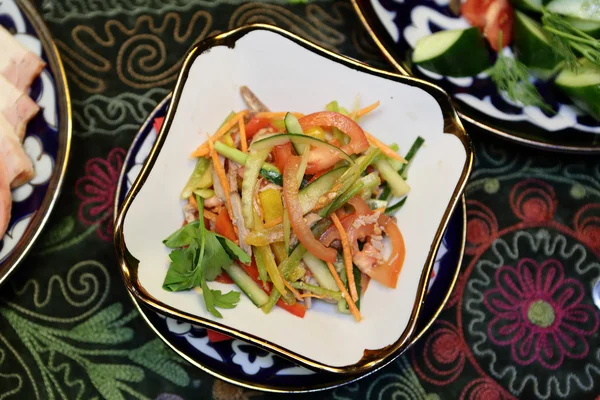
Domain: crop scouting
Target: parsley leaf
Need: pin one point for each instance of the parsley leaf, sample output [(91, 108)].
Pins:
[(183, 236), (215, 257), (198, 256), (233, 249)]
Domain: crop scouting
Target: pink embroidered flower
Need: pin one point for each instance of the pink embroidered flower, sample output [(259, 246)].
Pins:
[(539, 314), (96, 190)]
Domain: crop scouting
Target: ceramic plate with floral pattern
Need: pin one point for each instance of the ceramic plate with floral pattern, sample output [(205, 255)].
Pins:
[(250, 366), (208, 85), (396, 26), (47, 139)]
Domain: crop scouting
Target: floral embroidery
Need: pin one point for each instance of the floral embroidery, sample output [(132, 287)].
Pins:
[(539, 314), (96, 190)]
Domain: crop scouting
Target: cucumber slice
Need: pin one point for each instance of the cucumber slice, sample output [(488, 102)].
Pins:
[(293, 126), (528, 5), (592, 28), (276, 140), (582, 86), (460, 52), (309, 196), (533, 47), (268, 171), (247, 285), (320, 271), (582, 9)]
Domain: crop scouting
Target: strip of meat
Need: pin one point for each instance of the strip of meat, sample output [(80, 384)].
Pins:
[(19, 169), (5, 200), (17, 107), (17, 64), (253, 102)]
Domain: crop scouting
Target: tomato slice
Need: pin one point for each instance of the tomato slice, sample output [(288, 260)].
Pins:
[(256, 124), (499, 18), (474, 12), (297, 309), (215, 337), (294, 209), (386, 272), (224, 226), (492, 17), (281, 155), (320, 159)]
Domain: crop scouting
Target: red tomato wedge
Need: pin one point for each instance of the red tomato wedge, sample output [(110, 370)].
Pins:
[(256, 124), (224, 226), (281, 155), (320, 159), (499, 18), (492, 17)]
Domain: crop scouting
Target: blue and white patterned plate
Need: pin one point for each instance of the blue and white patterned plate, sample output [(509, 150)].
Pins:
[(247, 365), (396, 25), (47, 139)]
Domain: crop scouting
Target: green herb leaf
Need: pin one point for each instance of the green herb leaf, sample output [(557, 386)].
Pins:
[(182, 273), (215, 257), (209, 299), (183, 236), (512, 77), (567, 40), (233, 249), (227, 300)]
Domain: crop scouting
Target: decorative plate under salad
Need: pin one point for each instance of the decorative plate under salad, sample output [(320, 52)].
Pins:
[(238, 362), (540, 90), (306, 209)]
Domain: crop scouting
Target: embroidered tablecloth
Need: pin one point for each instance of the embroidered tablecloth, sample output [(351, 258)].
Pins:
[(520, 323)]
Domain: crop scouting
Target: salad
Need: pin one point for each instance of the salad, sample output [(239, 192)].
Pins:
[(290, 208), (551, 40)]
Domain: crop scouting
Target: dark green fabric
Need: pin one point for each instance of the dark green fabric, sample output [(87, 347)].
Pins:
[(68, 329)]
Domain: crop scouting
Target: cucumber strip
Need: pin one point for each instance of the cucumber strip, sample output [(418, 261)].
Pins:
[(271, 301), (374, 204), (260, 264), (397, 185), (276, 140), (247, 285), (410, 155), (357, 280), (310, 195), (333, 294), (293, 126), (201, 178), (252, 170), (268, 171), (366, 183), (320, 272), (393, 208)]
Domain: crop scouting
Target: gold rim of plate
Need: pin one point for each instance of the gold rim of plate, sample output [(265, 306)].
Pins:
[(373, 358)]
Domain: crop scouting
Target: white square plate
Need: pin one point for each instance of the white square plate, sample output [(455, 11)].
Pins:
[(288, 73)]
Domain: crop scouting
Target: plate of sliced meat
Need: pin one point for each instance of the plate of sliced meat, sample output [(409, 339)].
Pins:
[(35, 129)]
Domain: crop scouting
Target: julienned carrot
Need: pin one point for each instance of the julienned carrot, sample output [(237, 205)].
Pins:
[(345, 293), (347, 256), (243, 139), (222, 176), (276, 114), (204, 148), (385, 149), (367, 109)]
